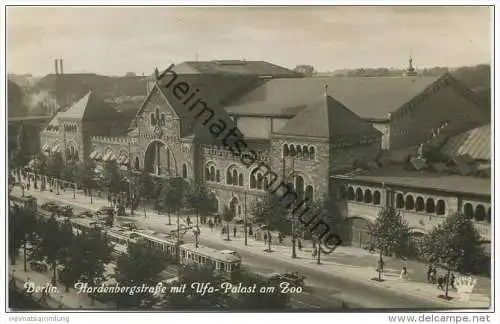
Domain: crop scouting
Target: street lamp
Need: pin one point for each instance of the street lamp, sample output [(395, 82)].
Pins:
[(196, 233)]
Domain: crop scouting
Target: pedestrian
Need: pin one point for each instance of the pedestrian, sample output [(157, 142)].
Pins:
[(440, 282), (452, 281), (265, 237), (188, 221), (250, 231), (404, 274), (234, 231), (211, 225), (299, 244), (434, 275), (429, 272)]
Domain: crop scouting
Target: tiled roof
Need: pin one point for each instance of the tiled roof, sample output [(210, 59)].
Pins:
[(368, 97), (90, 107), (475, 142), (327, 118), (256, 68), (426, 180)]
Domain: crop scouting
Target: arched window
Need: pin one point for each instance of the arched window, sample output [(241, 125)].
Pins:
[(136, 163), (235, 177), (162, 120), (419, 205), (480, 214), (253, 181), (440, 207), (260, 178), (430, 207), (157, 114), (76, 156), (305, 152), (468, 211), (207, 174), (299, 187), (240, 180), (368, 196), (292, 150), (228, 177), (266, 183), (312, 153), (350, 193), (410, 203), (217, 176), (309, 193), (400, 201), (488, 217), (376, 197), (299, 151), (359, 194), (212, 173), (153, 120), (286, 151), (184, 170)]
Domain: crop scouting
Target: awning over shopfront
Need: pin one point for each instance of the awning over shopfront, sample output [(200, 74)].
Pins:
[(98, 156), (107, 156), (45, 148)]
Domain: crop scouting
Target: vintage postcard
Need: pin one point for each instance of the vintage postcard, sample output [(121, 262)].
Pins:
[(249, 159)]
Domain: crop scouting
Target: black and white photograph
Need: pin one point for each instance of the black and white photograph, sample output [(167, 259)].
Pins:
[(249, 158)]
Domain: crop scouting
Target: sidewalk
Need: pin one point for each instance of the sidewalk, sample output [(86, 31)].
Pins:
[(349, 262)]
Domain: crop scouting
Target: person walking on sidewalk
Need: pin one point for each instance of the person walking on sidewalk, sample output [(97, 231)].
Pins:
[(299, 244), (188, 221), (211, 224)]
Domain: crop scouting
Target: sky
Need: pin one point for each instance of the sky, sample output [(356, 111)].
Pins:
[(116, 40)]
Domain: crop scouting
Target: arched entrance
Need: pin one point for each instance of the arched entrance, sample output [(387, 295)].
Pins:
[(235, 206), (159, 160), (360, 231)]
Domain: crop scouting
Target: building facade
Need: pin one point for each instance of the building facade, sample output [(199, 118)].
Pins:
[(303, 129)]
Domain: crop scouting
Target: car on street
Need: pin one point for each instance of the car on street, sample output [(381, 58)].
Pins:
[(85, 214), (50, 206), (39, 266), (66, 211)]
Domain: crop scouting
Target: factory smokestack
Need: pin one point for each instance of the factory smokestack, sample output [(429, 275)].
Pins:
[(61, 66), (56, 66)]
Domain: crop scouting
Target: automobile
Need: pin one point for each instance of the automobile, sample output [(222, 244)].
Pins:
[(230, 252), (50, 206), (131, 226), (66, 211), (39, 266), (292, 277), (85, 213), (105, 210)]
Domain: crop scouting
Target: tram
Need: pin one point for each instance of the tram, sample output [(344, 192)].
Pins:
[(224, 261), (160, 242)]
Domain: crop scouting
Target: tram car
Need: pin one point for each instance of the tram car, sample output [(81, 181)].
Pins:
[(121, 239), (160, 242), (27, 202), (223, 261)]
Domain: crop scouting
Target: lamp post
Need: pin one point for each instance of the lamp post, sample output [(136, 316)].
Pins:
[(197, 233), (245, 221)]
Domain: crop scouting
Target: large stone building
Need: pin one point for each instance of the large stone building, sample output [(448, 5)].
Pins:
[(303, 128)]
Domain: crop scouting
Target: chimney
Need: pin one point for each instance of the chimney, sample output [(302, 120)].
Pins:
[(61, 66), (56, 66)]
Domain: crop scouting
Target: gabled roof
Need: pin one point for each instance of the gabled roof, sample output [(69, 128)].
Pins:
[(55, 121), (475, 142), (327, 118), (90, 108), (237, 67), (368, 97)]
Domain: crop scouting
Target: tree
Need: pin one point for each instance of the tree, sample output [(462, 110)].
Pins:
[(144, 188), (85, 176), (69, 171), (96, 252), (165, 202), (21, 153), (73, 264), (274, 212), (454, 243), (55, 165), (389, 234), (65, 252), (22, 224), (49, 244), (40, 167), (190, 298), (110, 178), (141, 265), (328, 210), (199, 200), (228, 215)]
